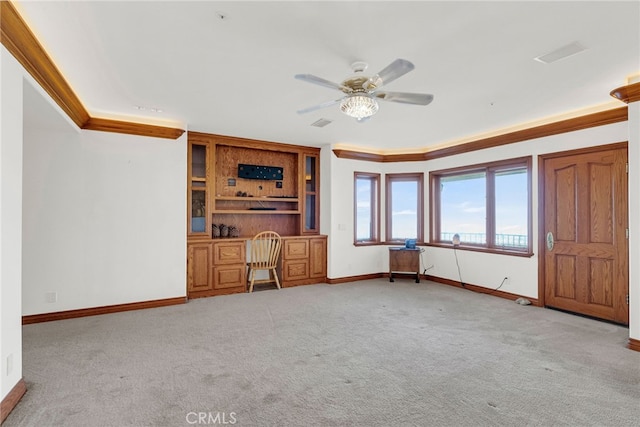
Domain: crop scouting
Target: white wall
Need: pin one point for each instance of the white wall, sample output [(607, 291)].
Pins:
[(104, 219), (477, 268), (96, 218), (99, 218), (10, 221), (344, 259), (634, 220)]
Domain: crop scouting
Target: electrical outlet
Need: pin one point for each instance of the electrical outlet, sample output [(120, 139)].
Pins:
[(51, 297)]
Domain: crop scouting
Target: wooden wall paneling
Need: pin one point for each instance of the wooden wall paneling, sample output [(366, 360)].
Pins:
[(228, 158), (251, 224)]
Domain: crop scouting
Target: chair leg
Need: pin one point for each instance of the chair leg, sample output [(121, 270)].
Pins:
[(252, 277), (275, 277)]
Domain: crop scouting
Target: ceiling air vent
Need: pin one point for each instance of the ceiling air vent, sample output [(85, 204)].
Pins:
[(320, 123), (561, 53)]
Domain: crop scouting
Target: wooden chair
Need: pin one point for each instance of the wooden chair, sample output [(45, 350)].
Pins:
[(265, 252)]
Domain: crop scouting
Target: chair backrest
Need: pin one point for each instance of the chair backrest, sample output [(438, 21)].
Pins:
[(265, 250)]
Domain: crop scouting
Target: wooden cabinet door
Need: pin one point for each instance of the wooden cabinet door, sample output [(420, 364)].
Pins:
[(297, 269), (311, 194), (586, 251), (199, 267), (231, 252), (295, 249), (198, 193), (229, 276), (318, 257), (404, 260)]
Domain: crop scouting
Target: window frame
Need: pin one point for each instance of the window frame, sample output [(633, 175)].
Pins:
[(491, 169), (418, 177), (374, 228)]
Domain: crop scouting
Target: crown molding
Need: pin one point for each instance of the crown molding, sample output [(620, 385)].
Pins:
[(18, 39), (569, 125), (108, 125), (23, 45), (627, 94), (358, 155)]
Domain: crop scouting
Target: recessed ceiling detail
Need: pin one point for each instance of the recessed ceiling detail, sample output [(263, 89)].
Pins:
[(151, 109), (561, 53), (212, 77), (320, 123)]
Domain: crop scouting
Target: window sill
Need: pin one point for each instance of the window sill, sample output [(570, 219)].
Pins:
[(368, 243), (497, 251), (393, 243)]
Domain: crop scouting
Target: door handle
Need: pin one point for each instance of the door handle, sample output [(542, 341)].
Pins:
[(550, 241)]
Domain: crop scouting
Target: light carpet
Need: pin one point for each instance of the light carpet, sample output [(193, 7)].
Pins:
[(369, 353)]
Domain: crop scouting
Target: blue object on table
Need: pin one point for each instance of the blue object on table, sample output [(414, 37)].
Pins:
[(410, 243)]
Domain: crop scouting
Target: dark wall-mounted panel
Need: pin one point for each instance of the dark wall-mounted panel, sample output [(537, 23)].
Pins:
[(260, 172)]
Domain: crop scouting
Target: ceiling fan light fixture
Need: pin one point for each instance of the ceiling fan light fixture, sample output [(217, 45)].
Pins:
[(359, 106)]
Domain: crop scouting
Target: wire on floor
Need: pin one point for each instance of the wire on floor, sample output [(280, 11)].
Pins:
[(455, 252)]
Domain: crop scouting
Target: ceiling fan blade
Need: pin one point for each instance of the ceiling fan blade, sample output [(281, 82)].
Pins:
[(322, 82), (319, 106), (405, 97), (397, 68)]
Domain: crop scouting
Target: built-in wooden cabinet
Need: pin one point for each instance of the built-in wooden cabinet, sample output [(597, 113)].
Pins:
[(216, 267), (304, 260), (229, 264), (218, 199)]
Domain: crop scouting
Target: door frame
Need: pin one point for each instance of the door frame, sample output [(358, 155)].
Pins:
[(542, 204)]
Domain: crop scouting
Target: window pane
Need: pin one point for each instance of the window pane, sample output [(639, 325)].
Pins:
[(511, 208), (463, 208), (404, 210), (365, 205)]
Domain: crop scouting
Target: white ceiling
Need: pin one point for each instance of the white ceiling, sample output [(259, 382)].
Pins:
[(234, 76)]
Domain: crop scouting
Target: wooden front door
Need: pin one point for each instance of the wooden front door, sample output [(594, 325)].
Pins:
[(586, 251)]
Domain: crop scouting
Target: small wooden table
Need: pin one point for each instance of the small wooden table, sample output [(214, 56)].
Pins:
[(403, 260)]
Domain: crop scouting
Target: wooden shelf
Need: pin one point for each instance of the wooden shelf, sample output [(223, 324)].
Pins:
[(255, 211), (259, 199)]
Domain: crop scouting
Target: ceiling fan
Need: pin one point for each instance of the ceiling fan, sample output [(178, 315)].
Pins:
[(362, 91)]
